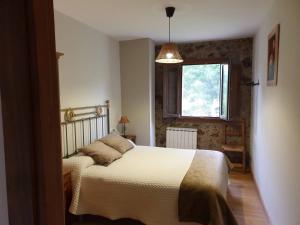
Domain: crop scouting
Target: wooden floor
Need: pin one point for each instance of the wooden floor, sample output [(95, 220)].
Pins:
[(243, 199)]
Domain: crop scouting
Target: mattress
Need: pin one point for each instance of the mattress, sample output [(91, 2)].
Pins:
[(142, 185)]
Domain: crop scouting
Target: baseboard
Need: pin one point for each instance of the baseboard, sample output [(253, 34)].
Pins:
[(260, 198)]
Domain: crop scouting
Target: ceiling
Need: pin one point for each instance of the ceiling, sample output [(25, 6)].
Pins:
[(194, 20)]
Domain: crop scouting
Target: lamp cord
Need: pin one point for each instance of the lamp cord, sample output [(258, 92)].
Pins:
[(169, 30)]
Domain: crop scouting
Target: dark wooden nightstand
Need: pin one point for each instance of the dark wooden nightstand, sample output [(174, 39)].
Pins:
[(67, 195), (130, 137)]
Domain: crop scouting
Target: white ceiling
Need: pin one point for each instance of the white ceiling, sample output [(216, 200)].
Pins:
[(194, 20)]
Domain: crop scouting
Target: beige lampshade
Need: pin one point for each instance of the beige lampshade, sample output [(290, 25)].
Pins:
[(124, 119), (169, 54)]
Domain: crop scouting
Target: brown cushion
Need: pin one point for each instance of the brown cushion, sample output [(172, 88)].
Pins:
[(101, 153), (117, 142)]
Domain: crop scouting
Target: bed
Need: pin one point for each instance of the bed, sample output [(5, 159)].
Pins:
[(157, 186)]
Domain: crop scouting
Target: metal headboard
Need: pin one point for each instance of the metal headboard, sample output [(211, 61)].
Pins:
[(82, 126)]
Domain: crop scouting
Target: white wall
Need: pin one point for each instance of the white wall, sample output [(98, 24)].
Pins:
[(3, 193), (152, 91), (89, 71), (276, 117), (137, 75)]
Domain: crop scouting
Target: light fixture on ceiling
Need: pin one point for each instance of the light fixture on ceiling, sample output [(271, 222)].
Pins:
[(169, 52)]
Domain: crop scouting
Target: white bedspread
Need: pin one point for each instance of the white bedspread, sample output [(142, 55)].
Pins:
[(142, 185)]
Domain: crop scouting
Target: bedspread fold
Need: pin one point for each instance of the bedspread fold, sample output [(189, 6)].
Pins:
[(200, 198)]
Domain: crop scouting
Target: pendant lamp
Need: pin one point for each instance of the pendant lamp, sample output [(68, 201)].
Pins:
[(169, 52)]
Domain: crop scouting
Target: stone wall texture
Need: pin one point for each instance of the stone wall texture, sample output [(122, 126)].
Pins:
[(210, 133)]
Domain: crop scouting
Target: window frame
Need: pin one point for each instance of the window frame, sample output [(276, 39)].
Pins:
[(203, 62)]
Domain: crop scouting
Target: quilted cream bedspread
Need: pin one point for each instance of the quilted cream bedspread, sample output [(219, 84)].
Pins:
[(142, 185)]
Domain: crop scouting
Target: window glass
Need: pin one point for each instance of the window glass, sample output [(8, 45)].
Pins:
[(201, 90)]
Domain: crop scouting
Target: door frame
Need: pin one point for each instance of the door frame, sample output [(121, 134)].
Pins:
[(29, 88)]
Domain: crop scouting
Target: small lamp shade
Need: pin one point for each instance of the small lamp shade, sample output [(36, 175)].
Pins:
[(124, 119), (169, 54)]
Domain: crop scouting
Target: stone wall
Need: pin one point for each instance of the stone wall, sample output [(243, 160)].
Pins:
[(210, 133)]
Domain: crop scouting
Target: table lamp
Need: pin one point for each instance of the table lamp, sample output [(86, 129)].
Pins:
[(123, 121)]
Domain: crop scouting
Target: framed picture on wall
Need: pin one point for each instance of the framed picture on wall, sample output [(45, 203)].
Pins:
[(273, 53)]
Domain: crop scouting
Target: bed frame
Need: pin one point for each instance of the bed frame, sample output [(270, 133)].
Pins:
[(82, 126)]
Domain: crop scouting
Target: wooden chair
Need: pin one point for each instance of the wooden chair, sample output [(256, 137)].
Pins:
[(235, 129)]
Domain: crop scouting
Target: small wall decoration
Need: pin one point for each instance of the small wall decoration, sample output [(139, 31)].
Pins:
[(273, 53)]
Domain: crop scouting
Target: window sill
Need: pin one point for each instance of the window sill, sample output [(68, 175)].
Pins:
[(191, 119)]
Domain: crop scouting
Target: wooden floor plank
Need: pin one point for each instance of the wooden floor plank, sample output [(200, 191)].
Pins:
[(242, 197)]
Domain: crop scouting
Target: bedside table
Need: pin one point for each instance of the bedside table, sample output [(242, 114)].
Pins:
[(130, 137), (67, 187)]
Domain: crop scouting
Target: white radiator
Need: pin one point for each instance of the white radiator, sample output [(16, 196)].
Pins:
[(185, 138)]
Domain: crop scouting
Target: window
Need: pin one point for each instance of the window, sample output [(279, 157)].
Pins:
[(199, 90), (202, 92), (224, 91)]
